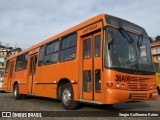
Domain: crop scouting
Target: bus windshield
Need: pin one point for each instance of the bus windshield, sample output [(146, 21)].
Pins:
[(127, 50)]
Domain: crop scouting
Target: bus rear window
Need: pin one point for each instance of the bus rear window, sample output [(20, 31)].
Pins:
[(7, 67)]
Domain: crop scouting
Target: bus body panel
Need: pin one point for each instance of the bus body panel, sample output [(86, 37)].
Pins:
[(158, 81), (48, 76), (21, 78), (136, 87), (114, 96)]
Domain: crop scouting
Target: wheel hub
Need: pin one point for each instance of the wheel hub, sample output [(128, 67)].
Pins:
[(66, 96), (15, 92)]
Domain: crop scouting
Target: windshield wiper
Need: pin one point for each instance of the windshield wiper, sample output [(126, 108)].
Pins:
[(125, 34), (128, 37)]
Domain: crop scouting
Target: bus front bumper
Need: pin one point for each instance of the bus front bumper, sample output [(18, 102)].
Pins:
[(114, 96)]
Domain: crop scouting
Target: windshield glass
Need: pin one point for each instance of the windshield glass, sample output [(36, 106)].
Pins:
[(127, 50), (125, 24)]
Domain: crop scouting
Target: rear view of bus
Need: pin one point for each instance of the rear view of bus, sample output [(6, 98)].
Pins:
[(128, 64)]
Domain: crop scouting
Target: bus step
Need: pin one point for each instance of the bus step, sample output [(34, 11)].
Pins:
[(90, 101)]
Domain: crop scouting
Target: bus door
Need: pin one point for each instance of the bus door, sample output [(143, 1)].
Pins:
[(92, 66), (32, 72), (10, 77)]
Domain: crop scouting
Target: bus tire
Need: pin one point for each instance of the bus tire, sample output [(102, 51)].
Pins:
[(67, 97), (16, 94), (108, 105)]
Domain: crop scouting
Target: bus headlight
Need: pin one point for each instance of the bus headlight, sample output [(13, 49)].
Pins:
[(151, 86), (117, 85), (155, 94)]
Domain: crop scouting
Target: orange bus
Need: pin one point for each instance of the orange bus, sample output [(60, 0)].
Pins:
[(104, 60)]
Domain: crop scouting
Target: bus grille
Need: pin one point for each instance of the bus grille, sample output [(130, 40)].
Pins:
[(138, 84), (138, 96)]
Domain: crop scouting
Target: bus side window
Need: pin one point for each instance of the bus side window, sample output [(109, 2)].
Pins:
[(98, 80), (68, 48), (87, 49), (25, 61), (55, 53), (87, 81), (7, 67), (21, 62), (51, 54), (41, 56), (97, 45)]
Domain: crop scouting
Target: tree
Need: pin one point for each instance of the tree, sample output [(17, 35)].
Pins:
[(158, 38)]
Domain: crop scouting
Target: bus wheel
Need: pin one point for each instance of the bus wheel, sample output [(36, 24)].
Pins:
[(16, 92), (108, 105), (67, 97)]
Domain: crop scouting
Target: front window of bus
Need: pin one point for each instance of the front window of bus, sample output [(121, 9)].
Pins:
[(127, 50)]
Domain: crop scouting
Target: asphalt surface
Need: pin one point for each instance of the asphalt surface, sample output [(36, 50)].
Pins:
[(32, 103)]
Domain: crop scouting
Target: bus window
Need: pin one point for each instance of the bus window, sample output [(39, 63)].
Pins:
[(87, 49), (25, 61), (68, 48), (34, 65), (55, 51), (7, 67), (48, 55), (41, 56), (31, 66), (69, 41), (21, 63), (97, 46), (98, 80), (87, 81), (51, 55)]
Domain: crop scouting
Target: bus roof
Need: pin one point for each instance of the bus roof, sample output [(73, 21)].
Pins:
[(71, 30)]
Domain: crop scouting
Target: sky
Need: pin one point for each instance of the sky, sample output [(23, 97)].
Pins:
[(24, 23)]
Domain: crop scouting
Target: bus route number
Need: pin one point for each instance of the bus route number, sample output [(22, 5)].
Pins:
[(122, 78)]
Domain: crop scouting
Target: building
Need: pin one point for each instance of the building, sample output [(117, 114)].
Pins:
[(5, 52), (155, 49)]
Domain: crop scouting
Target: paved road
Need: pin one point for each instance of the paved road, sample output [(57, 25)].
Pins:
[(31, 103)]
